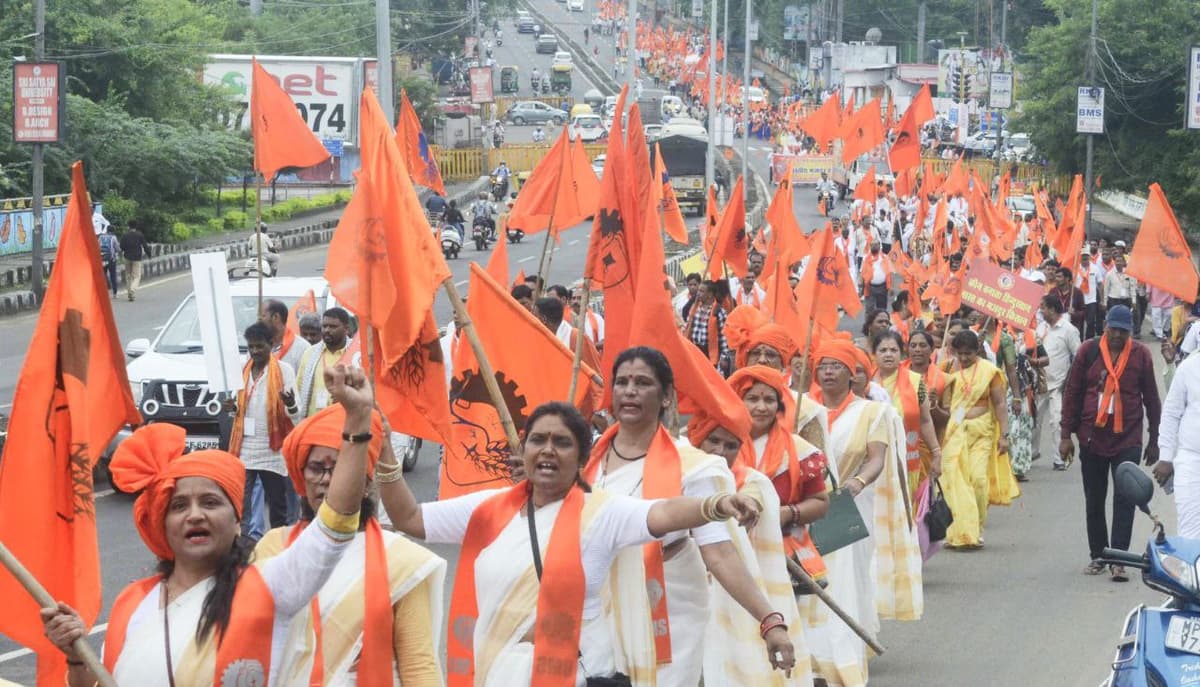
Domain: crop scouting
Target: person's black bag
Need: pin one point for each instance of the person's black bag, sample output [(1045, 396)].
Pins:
[(939, 517)]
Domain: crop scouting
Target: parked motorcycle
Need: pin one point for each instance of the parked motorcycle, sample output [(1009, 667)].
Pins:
[(1159, 646)]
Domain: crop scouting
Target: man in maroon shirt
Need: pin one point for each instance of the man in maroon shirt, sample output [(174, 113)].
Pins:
[(1110, 381)]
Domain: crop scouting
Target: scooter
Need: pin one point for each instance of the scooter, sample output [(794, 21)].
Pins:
[(252, 266), (1159, 646), (514, 235), (451, 240)]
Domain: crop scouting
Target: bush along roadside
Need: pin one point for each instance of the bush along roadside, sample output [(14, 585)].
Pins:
[(236, 220)]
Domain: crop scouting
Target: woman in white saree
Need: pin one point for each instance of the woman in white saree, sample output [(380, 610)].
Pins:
[(517, 619)]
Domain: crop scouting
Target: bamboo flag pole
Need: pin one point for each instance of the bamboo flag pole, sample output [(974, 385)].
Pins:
[(546, 247), (258, 235), (580, 333), (485, 366), (40, 595), (801, 575)]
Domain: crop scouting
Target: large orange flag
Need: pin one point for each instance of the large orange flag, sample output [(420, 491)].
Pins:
[(422, 165), (826, 284), (1160, 254), (281, 136), (787, 238), (384, 263), (497, 266), (672, 216), (532, 367), (613, 248), (866, 190), (730, 247), (1068, 241), (862, 132), (71, 398), (561, 192), (956, 180), (697, 381), (823, 125), (905, 152)]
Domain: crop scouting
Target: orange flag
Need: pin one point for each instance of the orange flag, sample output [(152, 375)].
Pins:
[(422, 165), (532, 367), (497, 267), (384, 263), (672, 216), (823, 124), (697, 381), (1160, 254), (1071, 229), (307, 304), (862, 132), (922, 106), (956, 181), (826, 284), (731, 243), (787, 238), (889, 118), (612, 247), (708, 233), (865, 191), (561, 192), (72, 396), (281, 136), (1045, 220), (385, 266), (905, 152)]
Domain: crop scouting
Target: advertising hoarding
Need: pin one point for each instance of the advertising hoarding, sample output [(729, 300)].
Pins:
[(38, 102), (1089, 111)]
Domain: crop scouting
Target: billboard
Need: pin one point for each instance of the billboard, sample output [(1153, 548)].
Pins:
[(481, 85), (1089, 113), (16, 223), (1001, 92), (324, 89), (1191, 109), (796, 22), (38, 102)]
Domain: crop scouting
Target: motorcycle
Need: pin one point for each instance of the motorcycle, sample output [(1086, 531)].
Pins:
[(479, 232), (514, 235), (499, 38), (829, 197), (497, 139), (1159, 646), (268, 266), (499, 187)]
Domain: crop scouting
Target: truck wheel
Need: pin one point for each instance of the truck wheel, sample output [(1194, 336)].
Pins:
[(702, 208)]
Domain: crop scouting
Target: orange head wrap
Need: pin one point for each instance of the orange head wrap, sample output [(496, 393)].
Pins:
[(863, 360), (747, 327), (152, 460), (325, 429), (743, 379), (842, 350)]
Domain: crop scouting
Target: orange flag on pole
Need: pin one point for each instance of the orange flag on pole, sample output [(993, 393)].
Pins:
[(730, 245), (282, 138), (307, 304), (497, 267), (865, 191), (422, 165), (905, 152), (1160, 254), (72, 396), (1068, 242), (788, 239), (862, 132), (956, 180), (826, 284), (532, 367), (823, 124), (561, 192)]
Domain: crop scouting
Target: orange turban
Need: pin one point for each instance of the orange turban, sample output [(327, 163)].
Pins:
[(747, 327), (746, 377), (842, 350), (325, 429), (152, 460)]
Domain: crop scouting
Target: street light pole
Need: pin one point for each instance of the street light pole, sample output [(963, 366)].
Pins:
[(1091, 76), (39, 53), (746, 107), (710, 157), (383, 49), (631, 49)]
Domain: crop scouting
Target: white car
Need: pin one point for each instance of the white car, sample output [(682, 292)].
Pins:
[(562, 57), (684, 126), (575, 5), (588, 128)]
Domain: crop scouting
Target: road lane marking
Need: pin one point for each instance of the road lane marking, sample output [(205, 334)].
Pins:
[(527, 258), (18, 653), (572, 242), (461, 284)]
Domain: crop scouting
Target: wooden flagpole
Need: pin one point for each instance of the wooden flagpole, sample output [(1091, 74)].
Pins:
[(40, 595), (580, 333), (801, 575), (485, 366), (258, 235), (546, 247)]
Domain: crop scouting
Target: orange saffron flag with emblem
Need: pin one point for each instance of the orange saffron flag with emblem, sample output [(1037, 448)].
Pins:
[(532, 367), (72, 396), (282, 138), (1160, 254), (561, 192), (306, 305), (422, 165), (862, 132), (730, 247), (826, 284)]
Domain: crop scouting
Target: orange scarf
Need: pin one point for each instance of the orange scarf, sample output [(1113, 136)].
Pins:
[(278, 422), (1111, 396), (247, 637), (904, 397), (662, 478), (714, 344), (752, 299), (375, 659), (834, 413), (900, 325), (779, 440), (868, 271), (560, 593), (1085, 280), (285, 345), (935, 378)]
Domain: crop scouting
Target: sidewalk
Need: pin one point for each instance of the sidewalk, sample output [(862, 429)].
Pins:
[(165, 258)]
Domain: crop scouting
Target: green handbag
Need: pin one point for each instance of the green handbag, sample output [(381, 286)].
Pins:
[(842, 525)]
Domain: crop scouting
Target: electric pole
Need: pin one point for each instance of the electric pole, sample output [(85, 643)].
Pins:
[(746, 106), (631, 49), (1003, 57), (841, 16), (383, 48), (921, 33), (1090, 78), (39, 53), (256, 8)]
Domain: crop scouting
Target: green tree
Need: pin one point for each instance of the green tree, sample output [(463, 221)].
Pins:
[(1141, 63)]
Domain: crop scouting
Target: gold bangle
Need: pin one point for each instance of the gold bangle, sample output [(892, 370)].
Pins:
[(710, 508), (860, 480)]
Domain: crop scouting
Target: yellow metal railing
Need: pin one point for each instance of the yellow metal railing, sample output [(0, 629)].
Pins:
[(1022, 173), (466, 164)]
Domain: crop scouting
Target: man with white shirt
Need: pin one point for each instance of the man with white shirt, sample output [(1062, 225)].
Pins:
[(1119, 287), (286, 345), (1179, 446), (1059, 342), (1089, 281), (593, 323), (749, 292)]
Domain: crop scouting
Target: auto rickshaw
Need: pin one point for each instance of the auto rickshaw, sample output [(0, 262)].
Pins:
[(509, 79), (521, 178), (560, 80)]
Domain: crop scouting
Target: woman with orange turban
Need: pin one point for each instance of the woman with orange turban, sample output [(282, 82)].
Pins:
[(756, 340), (880, 575), (380, 611), (209, 616)]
